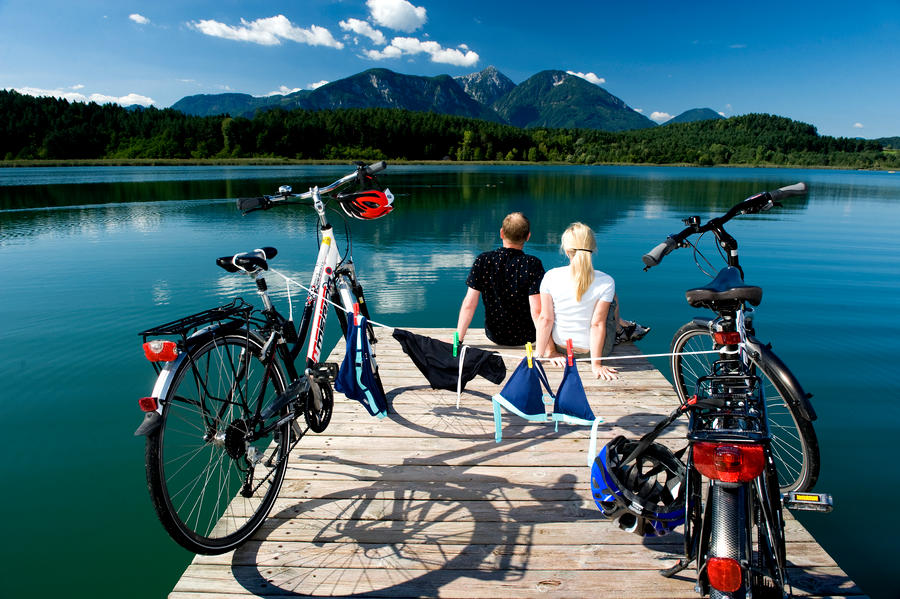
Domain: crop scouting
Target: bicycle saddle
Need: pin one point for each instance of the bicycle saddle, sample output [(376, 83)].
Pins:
[(727, 287), (248, 261)]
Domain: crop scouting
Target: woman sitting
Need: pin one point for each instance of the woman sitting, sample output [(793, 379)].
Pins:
[(577, 303)]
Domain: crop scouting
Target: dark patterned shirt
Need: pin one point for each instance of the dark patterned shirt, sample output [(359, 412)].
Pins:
[(506, 277)]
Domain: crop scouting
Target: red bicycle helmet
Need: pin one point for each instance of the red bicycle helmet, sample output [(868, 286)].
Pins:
[(368, 204)]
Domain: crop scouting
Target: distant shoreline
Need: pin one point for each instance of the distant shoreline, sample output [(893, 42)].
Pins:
[(156, 162)]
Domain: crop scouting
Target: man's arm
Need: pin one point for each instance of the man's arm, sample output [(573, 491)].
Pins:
[(467, 311)]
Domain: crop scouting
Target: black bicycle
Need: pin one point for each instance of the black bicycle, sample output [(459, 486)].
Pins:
[(750, 427), (223, 415), (750, 461), (696, 345)]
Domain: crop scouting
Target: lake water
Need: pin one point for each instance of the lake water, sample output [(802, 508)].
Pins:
[(91, 256)]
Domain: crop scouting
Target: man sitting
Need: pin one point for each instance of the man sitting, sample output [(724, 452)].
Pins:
[(508, 281)]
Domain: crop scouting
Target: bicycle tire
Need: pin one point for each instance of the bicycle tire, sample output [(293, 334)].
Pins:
[(197, 460), (795, 447)]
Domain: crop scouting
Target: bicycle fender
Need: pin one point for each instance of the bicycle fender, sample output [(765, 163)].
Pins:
[(702, 321), (785, 377), (153, 419)]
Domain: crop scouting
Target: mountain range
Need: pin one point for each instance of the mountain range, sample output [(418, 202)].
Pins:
[(555, 99)]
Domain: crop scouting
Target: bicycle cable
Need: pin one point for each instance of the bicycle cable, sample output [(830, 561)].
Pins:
[(697, 252)]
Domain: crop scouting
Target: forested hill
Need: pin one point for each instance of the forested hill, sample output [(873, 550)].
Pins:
[(50, 128)]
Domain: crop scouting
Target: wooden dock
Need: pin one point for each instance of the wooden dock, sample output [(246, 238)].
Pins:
[(425, 503)]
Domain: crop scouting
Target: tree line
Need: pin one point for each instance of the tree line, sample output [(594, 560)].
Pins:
[(55, 129)]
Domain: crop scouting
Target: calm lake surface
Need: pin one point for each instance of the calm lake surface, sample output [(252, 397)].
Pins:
[(91, 256)]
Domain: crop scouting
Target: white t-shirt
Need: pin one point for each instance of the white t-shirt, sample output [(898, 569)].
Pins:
[(572, 319)]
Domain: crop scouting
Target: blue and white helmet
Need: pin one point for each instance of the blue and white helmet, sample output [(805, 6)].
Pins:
[(646, 495)]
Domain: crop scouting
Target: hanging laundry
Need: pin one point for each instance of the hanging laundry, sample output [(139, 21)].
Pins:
[(524, 395), (355, 379), (435, 360)]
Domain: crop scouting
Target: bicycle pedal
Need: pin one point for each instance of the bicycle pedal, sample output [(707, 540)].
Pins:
[(809, 502), (326, 371)]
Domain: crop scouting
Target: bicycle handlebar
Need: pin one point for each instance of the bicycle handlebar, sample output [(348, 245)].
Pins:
[(246, 205), (757, 203)]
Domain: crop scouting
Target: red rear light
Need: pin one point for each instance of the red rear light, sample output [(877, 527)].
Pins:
[(730, 338), (148, 404), (724, 574), (161, 351), (729, 463)]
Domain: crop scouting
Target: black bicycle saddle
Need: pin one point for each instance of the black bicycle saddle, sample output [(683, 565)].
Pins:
[(727, 288)]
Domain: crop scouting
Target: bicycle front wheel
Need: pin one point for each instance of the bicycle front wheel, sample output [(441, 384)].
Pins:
[(795, 447), (212, 475)]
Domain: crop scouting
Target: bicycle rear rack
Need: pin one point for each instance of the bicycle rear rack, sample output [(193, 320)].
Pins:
[(238, 309)]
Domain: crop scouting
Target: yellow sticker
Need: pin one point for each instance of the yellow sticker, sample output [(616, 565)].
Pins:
[(806, 497), (326, 240)]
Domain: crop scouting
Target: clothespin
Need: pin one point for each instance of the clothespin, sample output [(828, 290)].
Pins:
[(455, 342), (356, 314), (528, 353), (570, 353)]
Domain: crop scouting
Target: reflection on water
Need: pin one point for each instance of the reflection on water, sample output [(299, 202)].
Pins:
[(92, 256)]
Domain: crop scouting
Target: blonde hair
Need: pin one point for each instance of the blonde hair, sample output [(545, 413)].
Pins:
[(579, 244)]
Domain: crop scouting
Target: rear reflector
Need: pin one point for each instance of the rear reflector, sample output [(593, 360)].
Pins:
[(739, 463), (159, 350), (730, 338), (148, 404), (724, 574)]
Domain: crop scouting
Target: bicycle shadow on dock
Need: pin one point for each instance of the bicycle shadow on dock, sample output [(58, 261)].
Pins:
[(451, 522)]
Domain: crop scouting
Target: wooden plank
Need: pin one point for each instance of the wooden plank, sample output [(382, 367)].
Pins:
[(426, 503), (508, 581)]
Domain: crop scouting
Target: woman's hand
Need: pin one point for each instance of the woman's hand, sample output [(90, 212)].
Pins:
[(556, 358), (604, 372)]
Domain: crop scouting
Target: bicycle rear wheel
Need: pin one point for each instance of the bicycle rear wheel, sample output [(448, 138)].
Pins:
[(795, 447), (211, 476)]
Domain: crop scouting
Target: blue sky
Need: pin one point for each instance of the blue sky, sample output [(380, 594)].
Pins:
[(832, 64)]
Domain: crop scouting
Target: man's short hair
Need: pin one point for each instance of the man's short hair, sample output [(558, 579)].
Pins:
[(516, 227)]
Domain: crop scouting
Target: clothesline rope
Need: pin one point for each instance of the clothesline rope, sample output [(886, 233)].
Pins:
[(288, 280)]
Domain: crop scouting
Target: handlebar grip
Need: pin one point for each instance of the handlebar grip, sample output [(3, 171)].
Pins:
[(246, 205), (797, 189), (655, 256), (376, 167)]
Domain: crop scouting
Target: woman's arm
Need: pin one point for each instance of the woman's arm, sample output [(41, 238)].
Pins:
[(598, 336), (544, 342)]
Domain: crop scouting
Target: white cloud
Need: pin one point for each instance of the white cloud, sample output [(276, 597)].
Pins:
[(397, 14), (660, 117), (317, 84), (388, 52), (75, 96), (139, 19), (737, 46), (364, 29), (589, 77), (721, 113), (126, 100), (641, 110), (858, 125), (268, 32), (410, 46), (283, 91)]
